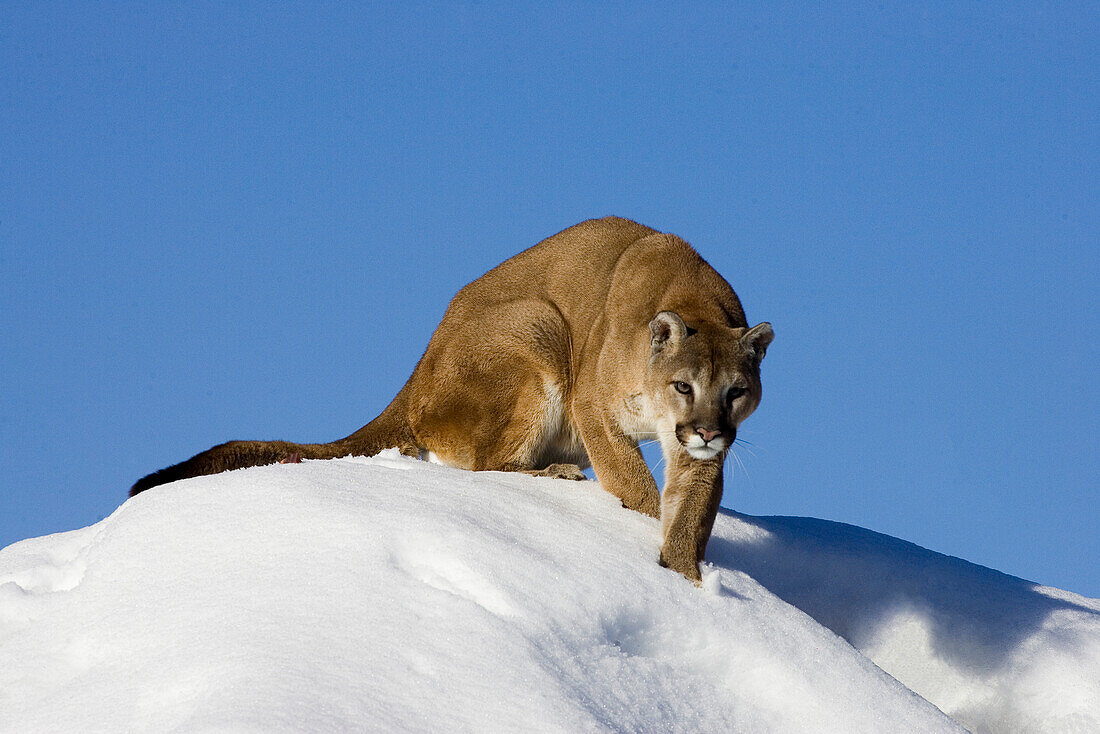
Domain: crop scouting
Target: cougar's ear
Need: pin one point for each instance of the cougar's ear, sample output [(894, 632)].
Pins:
[(666, 329), (755, 341)]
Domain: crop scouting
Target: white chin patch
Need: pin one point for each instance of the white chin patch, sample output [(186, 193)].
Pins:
[(702, 452)]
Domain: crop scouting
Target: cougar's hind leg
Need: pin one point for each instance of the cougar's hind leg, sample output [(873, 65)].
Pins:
[(485, 394), (559, 471), (482, 421)]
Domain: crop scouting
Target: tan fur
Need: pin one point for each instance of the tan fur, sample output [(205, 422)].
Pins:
[(567, 355)]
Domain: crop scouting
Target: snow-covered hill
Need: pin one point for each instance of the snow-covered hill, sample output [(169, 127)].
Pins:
[(388, 594)]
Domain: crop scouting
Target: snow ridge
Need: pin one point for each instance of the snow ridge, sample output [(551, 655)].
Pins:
[(388, 594)]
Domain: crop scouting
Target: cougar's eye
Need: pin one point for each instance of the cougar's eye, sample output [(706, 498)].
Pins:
[(682, 387), (736, 392)]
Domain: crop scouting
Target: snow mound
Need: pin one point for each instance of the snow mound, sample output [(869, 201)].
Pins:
[(997, 653), (387, 594)]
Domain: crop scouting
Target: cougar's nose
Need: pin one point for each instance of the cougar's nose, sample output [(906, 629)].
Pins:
[(707, 435)]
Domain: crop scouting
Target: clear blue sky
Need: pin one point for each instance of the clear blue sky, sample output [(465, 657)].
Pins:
[(232, 220)]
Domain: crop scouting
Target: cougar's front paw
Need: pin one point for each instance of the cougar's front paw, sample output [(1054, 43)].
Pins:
[(686, 567)]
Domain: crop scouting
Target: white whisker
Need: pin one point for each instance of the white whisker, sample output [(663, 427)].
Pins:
[(658, 464), (733, 473), (746, 448)]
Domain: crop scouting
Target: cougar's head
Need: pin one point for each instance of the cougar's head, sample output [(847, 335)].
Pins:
[(703, 381)]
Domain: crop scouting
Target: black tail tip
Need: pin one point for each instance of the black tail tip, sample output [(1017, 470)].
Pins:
[(149, 481), (140, 486)]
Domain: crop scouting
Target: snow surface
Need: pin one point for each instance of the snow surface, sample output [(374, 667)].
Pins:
[(388, 594)]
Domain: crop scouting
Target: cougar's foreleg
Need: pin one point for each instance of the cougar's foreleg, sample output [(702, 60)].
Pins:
[(689, 504)]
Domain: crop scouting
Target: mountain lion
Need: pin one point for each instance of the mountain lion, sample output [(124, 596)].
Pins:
[(564, 357)]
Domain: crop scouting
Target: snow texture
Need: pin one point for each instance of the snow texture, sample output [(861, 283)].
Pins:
[(388, 594)]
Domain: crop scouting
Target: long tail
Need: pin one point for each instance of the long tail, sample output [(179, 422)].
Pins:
[(388, 430)]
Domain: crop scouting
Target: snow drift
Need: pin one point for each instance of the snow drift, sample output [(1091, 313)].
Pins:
[(388, 594)]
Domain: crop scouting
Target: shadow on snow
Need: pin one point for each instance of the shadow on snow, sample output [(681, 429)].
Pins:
[(855, 581)]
